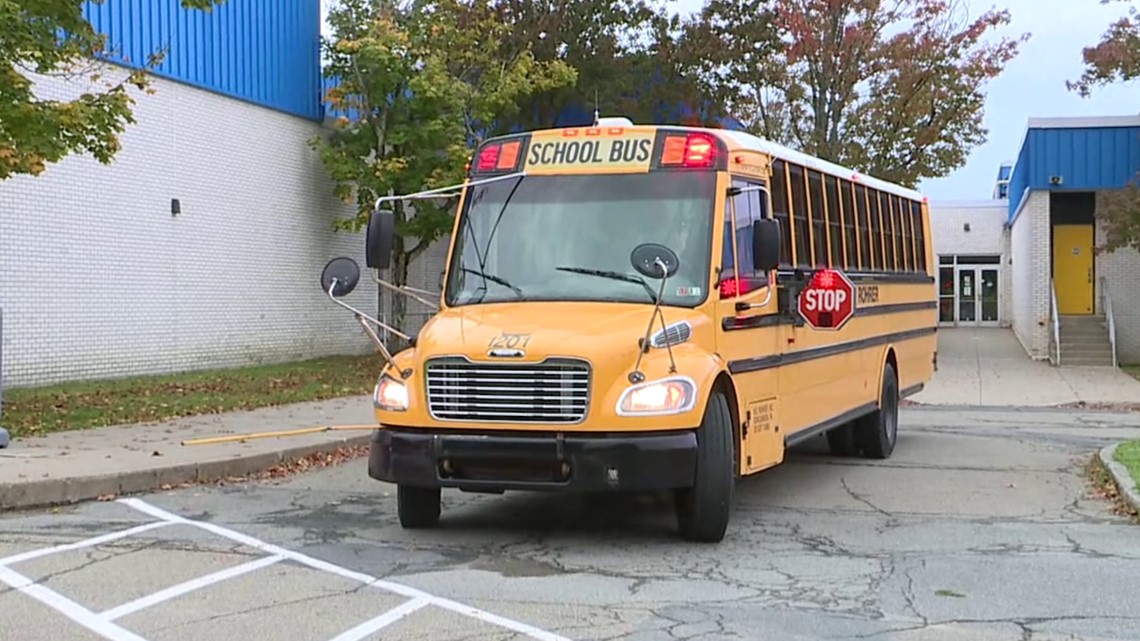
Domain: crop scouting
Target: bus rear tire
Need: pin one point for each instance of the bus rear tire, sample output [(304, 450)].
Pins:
[(418, 507), (878, 431), (703, 510)]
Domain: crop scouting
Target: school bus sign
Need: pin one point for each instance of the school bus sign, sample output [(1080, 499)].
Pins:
[(828, 301)]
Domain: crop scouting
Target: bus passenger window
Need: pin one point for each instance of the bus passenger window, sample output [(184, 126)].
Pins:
[(780, 211), (818, 217), (866, 255), (835, 216), (799, 215), (919, 237), (888, 236), (849, 228)]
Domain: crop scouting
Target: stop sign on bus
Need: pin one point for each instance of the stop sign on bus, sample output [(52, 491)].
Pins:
[(828, 301)]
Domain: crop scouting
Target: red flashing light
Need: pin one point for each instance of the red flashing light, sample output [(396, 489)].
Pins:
[(499, 156), (733, 286), (489, 157), (690, 151)]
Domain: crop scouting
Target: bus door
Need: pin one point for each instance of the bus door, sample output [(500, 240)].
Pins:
[(748, 336)]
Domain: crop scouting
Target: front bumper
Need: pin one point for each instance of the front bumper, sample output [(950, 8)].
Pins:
[(534, 460)]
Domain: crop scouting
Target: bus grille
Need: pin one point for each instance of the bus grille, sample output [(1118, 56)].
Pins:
[(553, 391)]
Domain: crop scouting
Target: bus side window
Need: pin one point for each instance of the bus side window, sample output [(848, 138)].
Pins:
[(737, 276)]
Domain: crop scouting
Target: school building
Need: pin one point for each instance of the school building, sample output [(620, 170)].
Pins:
[(1026, 258)]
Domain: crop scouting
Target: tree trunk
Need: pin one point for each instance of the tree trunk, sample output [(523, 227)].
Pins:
[(399, 307)]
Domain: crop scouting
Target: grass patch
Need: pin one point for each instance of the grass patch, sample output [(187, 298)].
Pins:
[(1133, 369), (1128, 455), (83, 405), (1102, 486)]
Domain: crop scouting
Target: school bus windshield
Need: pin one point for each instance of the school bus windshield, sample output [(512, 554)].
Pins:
[(531, 238)]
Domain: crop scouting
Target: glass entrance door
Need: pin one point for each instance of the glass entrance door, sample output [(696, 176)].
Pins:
[(968, 295), (988, 296)]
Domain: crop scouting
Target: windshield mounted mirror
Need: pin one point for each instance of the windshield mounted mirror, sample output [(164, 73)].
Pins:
[(345, 272), (765, 244), (645, 258), (379, 238)]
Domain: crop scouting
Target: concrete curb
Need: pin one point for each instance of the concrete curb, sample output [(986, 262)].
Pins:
[(1120, 475), (63, 491)]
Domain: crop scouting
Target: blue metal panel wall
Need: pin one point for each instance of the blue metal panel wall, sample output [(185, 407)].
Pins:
[(262, 51), (1085, 158), (1019, 178)]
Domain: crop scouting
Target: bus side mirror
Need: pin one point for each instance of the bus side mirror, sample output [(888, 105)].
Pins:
[(765, 244), (378, 238)]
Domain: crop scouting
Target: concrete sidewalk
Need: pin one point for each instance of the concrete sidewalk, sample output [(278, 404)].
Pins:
[(989, 367), (65, 467)]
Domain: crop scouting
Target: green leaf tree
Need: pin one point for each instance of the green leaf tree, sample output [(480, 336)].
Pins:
[(893, 89), (1115, 59), (417, 85), (53, 38), (618, 47)]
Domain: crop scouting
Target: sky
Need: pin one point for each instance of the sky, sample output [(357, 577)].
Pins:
[(1032, 85)]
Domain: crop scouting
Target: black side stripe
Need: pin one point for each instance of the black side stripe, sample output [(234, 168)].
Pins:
[(729, 323), (790, 358), (796, 438), (895, 308), (863, 277)]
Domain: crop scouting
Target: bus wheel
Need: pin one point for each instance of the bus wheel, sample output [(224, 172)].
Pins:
[(418, 507), (841, 441), (703, 509), (878, 431)]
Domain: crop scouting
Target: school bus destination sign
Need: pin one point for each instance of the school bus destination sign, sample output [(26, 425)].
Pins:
[(610, 149)]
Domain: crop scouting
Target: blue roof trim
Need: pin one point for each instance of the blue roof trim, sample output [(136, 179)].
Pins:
[(1082, 158)]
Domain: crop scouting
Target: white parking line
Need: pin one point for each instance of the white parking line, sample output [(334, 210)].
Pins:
[(189, 586), (66, 607), (86, 543), (413, 593), (383, 621)]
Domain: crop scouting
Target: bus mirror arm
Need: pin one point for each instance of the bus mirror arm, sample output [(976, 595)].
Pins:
[(410, 292), (363, 319), (647, 260)]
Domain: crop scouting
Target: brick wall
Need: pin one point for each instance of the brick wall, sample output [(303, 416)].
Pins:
[(1121, 269), (100, 280), (987, 236), (1029, 275)]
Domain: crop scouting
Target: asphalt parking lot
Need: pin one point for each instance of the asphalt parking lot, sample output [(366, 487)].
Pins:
[(978, 528)]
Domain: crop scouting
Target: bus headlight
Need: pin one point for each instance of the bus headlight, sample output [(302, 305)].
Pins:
[(390, 394), (666, 396)]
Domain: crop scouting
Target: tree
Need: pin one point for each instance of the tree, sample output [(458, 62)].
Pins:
[(1116, 58), (418, 86), (53, 38), (894, 89), (614, 45)]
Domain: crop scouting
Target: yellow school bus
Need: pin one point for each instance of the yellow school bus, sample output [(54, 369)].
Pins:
[(650, 308)]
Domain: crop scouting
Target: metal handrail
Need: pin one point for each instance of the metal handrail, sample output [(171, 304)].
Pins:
[(1106, 304), (1056, 322)]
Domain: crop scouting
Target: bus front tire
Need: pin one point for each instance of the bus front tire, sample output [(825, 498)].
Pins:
[(703, 510), (418, 507), (878, 431)]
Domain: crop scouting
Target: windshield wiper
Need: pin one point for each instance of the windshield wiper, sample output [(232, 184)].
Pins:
[(493, 278), (613, 276)]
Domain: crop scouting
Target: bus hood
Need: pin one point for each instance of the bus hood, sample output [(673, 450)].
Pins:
[(595, 331)]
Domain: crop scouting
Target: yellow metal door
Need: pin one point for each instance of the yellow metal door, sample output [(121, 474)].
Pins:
[(1073, 268)]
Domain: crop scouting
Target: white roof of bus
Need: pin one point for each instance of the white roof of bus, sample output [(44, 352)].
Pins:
[(749, 141)]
